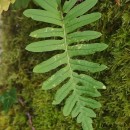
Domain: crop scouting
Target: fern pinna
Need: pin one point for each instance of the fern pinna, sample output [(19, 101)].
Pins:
[(78, 88)]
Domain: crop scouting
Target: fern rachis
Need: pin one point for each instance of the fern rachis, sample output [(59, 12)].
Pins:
[(79, 88)]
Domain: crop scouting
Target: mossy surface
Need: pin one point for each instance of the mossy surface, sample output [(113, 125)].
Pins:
[(17, 65)]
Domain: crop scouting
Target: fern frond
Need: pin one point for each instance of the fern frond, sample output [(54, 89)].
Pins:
[(78, 88)]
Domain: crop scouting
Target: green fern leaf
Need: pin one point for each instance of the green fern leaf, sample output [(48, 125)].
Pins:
[(68, 5), (79, 89)]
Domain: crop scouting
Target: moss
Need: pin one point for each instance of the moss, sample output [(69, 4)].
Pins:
[(51, 117), (114, 114), (17, 69), (17, 65)]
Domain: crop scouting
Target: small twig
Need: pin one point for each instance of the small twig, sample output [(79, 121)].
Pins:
[(118, 2), (21, 102), (30, 120), (28, 114)]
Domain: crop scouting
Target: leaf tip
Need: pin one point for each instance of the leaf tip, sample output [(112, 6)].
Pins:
[(33, 35), (54, 102), (104, 87), (25, 13), (105, 67), (27, 48), (35, 70), (106, 46), (65, 114), (43, 88)]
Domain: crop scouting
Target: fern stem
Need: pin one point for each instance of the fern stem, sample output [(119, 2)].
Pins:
[(66, 46), (66, 50)]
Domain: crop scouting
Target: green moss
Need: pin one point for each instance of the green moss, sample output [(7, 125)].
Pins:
[(114, 114), (51, 117), (17, 65)]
